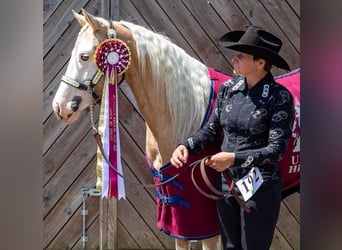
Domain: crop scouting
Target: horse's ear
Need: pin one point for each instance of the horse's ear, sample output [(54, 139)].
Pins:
[(81, 19), (94, 23)]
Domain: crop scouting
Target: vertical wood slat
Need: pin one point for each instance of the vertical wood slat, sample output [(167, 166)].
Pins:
[(108, 224), (108, 231)]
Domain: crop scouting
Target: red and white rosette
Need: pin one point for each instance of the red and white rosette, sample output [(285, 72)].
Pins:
[(112, 58), (112, 54)]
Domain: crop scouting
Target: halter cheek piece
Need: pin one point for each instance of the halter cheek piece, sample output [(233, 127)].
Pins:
[(89, 85), (86, 85)]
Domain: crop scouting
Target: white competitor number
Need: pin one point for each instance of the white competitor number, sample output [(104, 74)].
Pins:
[(250, 183)]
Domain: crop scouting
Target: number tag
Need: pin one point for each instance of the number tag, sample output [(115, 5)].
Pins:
[(250, 183)]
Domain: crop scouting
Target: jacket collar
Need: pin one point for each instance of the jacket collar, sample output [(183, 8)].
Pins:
[(241, 84)]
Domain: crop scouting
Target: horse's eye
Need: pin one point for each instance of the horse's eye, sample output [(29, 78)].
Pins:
[(84, 57)]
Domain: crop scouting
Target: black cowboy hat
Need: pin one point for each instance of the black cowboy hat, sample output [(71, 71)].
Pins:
[(258, 42)]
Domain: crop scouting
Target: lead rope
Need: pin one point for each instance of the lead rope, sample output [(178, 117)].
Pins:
[(91, 108), (218, 195)]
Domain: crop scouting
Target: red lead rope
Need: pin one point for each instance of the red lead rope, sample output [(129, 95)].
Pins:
[(218, 194)]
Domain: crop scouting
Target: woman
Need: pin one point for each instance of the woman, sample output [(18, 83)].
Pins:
[(255, 115)]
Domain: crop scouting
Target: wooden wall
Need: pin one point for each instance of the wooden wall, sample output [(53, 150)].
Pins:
[(69, 150)]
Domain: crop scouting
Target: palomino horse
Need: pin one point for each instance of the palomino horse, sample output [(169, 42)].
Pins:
[(167, 83)]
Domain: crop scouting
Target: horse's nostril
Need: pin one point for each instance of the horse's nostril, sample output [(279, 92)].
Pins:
[(75, 102), (74, 106)]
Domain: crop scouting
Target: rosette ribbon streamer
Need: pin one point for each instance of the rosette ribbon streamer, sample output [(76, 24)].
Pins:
[(112, 58)]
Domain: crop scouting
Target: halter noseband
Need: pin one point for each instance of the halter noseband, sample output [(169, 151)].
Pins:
[(86, 85)]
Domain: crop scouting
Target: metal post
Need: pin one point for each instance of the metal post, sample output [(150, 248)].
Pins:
[(84, 211)]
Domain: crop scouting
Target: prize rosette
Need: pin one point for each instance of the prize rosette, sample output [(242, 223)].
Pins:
[(112, 57), (112, 53)]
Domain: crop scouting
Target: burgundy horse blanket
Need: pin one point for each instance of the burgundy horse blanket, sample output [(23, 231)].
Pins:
[(183, 212)]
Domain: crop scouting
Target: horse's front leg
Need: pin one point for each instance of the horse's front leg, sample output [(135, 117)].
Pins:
[(213, 243), (152, 149), (182, 244)]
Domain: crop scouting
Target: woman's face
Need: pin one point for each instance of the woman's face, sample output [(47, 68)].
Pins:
[(244, 64)]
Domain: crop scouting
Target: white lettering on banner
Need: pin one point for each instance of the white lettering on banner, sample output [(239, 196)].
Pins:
[(295, 167), (295, 159), (250, 183)]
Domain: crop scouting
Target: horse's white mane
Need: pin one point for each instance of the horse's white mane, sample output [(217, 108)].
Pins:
[(177, 75)]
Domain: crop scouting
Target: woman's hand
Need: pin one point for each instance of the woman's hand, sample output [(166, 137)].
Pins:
[(220, 161), (179, 156)]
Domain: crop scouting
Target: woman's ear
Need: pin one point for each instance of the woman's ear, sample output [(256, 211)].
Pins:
[(261, 64)]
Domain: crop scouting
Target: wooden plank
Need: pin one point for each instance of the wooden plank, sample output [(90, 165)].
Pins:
[(137, 228), (114, 10), (108, 224), (286, 18), (214, 27), (112, 218), (193, 33), (67, 173), (70, 235), (129, 12), (103, 226), (295, 5), (50, 92), (111, 226), (279, 242), (257, 15), (92, 233), (143, 201), (57, 58), (292, 202), (49, 6), (125, 240), (289, 227), (60, 20), (57, 154), (68, 204), (51, 131), (231, 14), (160, 23)]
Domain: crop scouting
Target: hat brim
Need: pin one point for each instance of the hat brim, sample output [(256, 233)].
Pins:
[(231, 40), (231, 37)]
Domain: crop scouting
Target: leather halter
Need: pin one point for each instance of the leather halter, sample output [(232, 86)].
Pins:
[(88, 84), (85, 85)]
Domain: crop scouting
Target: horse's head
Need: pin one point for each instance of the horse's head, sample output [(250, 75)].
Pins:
[(71, 97)]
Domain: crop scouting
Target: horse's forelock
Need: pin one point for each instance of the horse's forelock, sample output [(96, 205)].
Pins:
[(182, 79)]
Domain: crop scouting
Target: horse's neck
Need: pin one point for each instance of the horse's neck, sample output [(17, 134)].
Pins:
[(171, 88), (165, 133), (155, 111)]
